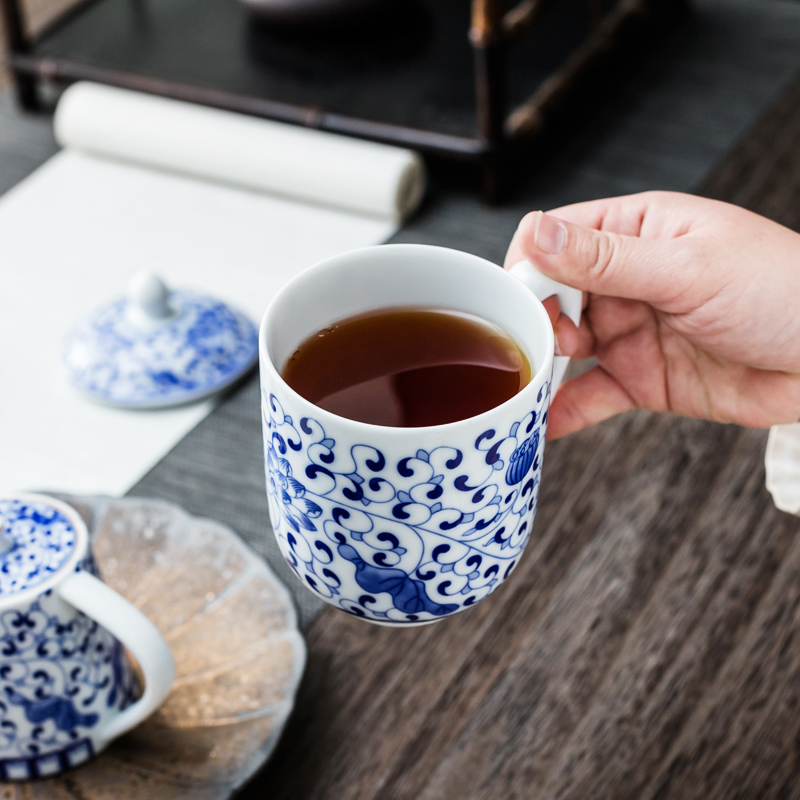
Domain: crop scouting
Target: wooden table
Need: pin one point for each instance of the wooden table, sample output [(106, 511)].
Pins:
[(648, 645)]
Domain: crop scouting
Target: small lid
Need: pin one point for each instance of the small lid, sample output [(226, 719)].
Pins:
[(158, 347), (37, 539)]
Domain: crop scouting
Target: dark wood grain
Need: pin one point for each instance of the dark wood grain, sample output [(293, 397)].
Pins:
[(648, 645)]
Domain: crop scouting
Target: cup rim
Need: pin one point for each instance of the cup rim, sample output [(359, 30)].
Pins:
[(531, 388), (68, 567)]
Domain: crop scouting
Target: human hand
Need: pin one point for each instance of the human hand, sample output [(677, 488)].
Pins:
[(691, 306)]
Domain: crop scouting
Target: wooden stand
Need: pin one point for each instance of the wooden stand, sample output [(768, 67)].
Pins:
[(68, 51)]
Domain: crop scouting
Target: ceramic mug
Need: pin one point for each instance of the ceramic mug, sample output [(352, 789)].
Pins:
[(67, 687), (406, 526)]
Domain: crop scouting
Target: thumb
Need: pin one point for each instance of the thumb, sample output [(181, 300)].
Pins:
[(601, 262)]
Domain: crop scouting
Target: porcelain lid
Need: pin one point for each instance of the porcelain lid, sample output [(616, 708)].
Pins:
[(158, 348), (37, 539)]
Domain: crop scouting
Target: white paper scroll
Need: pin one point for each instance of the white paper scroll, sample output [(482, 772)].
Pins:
[(287, 160), (74, 232)]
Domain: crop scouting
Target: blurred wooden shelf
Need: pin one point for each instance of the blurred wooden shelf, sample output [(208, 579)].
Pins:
[(435, 75)]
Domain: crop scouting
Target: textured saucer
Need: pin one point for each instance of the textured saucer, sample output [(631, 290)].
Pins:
[(146, 352), (232, 629)]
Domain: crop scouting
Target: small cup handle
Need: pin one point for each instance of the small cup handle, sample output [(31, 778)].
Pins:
[(124, 621), (543, 287)]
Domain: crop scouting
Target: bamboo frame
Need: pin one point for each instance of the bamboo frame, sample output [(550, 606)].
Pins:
[(492, 33), (490, 87), (529, 117), (18, 43)]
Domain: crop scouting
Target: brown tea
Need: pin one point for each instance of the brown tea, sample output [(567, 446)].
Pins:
[(408, 367)]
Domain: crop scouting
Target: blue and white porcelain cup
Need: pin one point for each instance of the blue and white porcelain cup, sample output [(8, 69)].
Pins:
[(405, 526), (67, 687)]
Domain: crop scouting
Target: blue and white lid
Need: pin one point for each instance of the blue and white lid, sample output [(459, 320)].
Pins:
[(38, 538), (157, 348)]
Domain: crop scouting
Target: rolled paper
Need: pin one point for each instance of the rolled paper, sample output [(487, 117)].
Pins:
[(257, 154)]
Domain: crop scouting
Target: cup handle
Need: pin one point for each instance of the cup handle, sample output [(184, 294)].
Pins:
[(571, 303), (124, 621)]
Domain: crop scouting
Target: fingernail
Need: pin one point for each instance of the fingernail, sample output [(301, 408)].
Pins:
[(556, 348), (551, 235)]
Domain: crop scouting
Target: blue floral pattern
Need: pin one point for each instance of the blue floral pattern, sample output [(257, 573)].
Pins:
[(204, 348), (36, 540), (408, 539), (59, 669)]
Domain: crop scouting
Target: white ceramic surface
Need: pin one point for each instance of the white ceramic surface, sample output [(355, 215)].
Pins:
[(782, 463)]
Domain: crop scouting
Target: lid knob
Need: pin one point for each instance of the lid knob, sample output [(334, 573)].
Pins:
[(149, 298)]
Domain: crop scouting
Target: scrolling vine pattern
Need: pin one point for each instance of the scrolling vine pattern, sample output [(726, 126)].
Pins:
[(405, 540), (56, 673)]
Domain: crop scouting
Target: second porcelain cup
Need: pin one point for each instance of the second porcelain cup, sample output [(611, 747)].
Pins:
[(67, 687), (405, 526)]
